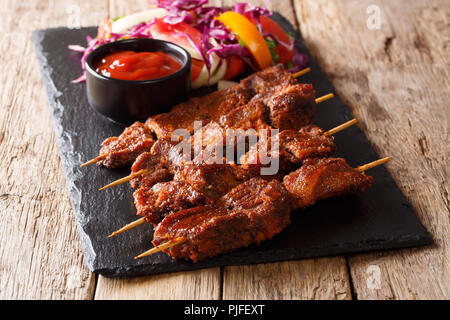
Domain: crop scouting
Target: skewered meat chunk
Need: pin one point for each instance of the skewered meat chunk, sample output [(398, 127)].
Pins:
[(292, 107), (165, 198), (211, 107), (215, 143), (257, 194), (323, 178), (203, 109), (210, 231), (290, 148), (159, 164), (155, 171), (122, 151)]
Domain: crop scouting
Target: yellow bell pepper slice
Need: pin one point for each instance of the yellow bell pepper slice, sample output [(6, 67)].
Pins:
[(250, 35)]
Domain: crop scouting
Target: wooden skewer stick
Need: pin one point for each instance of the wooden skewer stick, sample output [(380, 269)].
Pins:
[(373, 164), (161, 247), (341, 127), (142, 220), (128, 227), (124, 179), (324, 98), (295, 75), (136, 174), (301, 72), (95, 160)]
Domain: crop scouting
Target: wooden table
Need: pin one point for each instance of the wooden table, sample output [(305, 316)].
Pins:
[(395, 79)]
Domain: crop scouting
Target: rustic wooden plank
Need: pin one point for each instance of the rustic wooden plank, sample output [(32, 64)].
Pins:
[(40, 252), (395, 79)]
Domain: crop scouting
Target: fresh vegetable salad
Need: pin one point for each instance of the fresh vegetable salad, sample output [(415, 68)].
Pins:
[(223, 41)]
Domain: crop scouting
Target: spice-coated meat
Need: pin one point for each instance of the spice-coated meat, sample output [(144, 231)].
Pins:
[(165, 198), (250, 116), (210, 231), (192, 185), (290, 148), (122, 151), (323, 178), (213, 180), (155, 171), (211, 107), (269, 97)]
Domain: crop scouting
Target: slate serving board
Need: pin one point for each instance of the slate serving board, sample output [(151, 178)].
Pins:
[(380, 218)]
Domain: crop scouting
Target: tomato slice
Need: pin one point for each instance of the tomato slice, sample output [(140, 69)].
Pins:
[(285, 52), (196, 68), (181, 33), (104, 28), (235, 67)]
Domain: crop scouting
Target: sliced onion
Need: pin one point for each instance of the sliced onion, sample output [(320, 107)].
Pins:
[(202, 79), (123, 24)]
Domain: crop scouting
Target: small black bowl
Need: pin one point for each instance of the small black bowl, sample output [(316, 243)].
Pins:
[(127, 101)]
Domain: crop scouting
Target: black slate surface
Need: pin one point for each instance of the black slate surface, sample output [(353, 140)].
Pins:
[(380, 218)]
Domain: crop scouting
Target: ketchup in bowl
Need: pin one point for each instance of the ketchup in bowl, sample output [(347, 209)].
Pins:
[(131, 65)]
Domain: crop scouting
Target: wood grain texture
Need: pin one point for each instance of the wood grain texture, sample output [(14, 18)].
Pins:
[(396, 81), (40, 253)]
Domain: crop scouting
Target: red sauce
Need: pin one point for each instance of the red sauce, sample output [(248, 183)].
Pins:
[(131, 65)]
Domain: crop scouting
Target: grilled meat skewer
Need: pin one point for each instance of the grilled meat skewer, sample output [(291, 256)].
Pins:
[(255, 210), (323, 178), (192, 185)]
